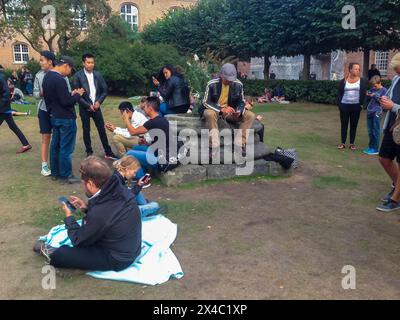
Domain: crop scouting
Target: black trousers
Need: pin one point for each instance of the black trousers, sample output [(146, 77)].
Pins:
[(86, 258), (349, 115), (14, 128), (97, 117)]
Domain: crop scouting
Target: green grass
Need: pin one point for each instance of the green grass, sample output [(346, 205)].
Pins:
[(334, 182)]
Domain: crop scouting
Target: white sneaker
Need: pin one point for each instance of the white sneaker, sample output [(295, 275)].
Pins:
[(46, 171)]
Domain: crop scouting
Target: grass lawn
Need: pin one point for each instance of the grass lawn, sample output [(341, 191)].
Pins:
[(250, 238)]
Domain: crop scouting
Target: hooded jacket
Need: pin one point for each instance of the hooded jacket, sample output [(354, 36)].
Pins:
[(112, 223)]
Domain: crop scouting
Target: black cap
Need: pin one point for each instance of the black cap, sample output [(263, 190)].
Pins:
[(66, 60), (126, 105), (48, 55)]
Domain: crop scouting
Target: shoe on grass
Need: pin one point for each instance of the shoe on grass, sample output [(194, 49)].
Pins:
[(24, 149), (370, 152), (387, 198), (46, 171), (389, 206)]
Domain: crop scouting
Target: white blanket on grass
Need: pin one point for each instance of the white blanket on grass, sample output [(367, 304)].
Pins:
[(156, 263)]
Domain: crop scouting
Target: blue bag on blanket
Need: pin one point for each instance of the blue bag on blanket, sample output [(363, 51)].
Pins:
[(156, 263)]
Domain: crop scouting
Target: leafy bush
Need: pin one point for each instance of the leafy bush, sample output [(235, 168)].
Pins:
[(320, 91)]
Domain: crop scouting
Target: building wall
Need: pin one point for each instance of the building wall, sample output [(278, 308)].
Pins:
[(148, 11)]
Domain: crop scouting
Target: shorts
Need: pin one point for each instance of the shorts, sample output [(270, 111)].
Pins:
[(44, 122), (389, 149)]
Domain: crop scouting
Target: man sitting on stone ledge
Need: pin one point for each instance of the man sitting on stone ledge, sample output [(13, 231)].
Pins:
[(224, 97)]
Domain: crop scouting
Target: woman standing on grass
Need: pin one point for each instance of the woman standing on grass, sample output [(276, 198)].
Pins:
[(352, 92)]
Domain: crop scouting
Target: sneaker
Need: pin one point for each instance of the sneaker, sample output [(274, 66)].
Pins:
[(24, 149), (370, 152), (28, 113), (69, 180), (389, 206), (341, 146), (353, 147), (387, 198), (111, 156), (46, 251), (46, 171)]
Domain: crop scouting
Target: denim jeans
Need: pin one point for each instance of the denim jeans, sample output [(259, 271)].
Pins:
[(164, 109), (62, 147), (146, 158), (374, 130)]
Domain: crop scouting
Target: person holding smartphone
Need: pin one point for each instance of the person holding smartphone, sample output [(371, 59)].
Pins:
[(224, 97), (110, 236)]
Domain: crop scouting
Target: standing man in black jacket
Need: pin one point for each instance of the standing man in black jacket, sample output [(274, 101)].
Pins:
[(110, 237), (89, 104), (61, 105), (5, 113)]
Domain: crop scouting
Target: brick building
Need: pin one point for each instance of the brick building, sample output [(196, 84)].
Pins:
[(16, 52)]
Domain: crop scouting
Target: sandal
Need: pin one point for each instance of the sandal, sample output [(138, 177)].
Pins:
[(341, 146), (353, 147)]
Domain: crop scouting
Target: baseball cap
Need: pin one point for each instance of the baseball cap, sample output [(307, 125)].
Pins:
[(228, 72), (48, 55), (66, 60)]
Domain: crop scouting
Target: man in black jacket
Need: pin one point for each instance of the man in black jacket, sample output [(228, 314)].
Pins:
[(224, 97), (5, 113), (111, 233), (89, 104)]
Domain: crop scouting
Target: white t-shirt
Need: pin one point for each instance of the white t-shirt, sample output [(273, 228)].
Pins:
[(92, 87), (352, 93), (138, 120)]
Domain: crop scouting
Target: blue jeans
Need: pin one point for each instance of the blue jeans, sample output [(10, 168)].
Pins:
[(62, 146), (164, 109), (146, 158), (140, 199), (374, 130)]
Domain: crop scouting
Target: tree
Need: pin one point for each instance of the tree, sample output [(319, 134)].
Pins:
[(377, 28), (72, 17)]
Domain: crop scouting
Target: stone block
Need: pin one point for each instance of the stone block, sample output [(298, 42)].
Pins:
[(183, 174)]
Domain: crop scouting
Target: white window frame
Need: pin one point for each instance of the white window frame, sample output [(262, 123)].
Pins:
[(79, 20), (132, 17), (382, 62), (21, 53)]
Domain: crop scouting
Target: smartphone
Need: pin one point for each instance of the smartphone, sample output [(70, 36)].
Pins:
[(65, 200), (146, 178)]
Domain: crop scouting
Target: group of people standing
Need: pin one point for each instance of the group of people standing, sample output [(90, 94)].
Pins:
[(352, 94)]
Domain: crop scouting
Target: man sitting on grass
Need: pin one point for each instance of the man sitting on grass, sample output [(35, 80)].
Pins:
[(110, 236)]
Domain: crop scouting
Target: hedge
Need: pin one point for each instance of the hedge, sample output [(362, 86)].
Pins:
[(317, 91)]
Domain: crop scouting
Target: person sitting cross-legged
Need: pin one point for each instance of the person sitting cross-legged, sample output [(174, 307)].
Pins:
[(224, 97), (122, 139), (110, 236)]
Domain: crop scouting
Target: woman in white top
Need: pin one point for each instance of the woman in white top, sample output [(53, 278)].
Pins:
[(352, 92)]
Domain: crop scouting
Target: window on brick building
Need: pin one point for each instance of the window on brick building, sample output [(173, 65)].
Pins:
[(130, 13), (21, 53), (79, 20), (382, 62)]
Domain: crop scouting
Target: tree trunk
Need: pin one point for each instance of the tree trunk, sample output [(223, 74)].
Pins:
[(307, 67), (267, 66), (366, 63)]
